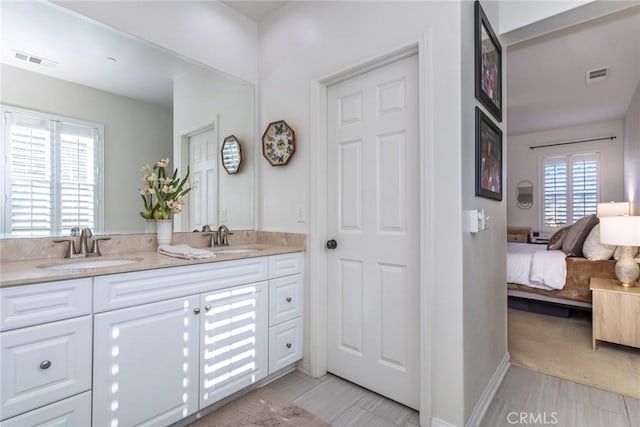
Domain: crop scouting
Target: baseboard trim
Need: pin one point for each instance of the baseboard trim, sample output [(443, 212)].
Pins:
[(437, 422), (488, 393)]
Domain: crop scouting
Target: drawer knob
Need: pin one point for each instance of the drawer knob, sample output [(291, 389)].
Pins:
[(196, 310), (207, 307), (288, 299), (45, 364), (288, 345)]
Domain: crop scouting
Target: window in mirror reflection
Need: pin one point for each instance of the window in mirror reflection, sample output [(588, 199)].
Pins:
[(51, 179)]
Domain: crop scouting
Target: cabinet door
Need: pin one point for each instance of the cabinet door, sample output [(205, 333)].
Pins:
[(285, 299), (234, 340), (285, 344), (45, 363), (72, 412), (146, 363)]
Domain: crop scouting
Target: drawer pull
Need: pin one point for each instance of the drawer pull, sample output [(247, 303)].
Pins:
[(288, 299), (288, 345), (45, 364), (207, 307), (196, 310)]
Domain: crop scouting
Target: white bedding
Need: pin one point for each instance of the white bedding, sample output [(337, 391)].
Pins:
[(534, 266)]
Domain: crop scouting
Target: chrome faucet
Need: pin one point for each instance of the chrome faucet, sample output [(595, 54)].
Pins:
[(84, 250), (223, 235)]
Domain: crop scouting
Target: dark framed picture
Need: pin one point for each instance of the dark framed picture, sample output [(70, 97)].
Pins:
[(488, 157), (488, 60)]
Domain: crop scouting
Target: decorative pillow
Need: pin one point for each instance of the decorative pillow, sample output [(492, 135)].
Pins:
[(618, 252), (555, 242), (577, 234), (593, 249)]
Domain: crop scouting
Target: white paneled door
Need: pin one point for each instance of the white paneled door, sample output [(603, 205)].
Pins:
[(373, 220), (203, 158)]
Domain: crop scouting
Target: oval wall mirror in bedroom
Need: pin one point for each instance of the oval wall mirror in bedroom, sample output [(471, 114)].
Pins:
[(524, 196)]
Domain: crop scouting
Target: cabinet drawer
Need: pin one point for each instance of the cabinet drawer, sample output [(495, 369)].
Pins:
[(43, 364), (285, 264), (285, 344), (518, 238), (71, 412), (29, 305), (141, 287), (285, 299)]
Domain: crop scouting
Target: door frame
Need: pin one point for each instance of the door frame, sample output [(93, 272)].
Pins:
[(318, 218)]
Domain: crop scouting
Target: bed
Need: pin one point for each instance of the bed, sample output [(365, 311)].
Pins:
[(533, 272)]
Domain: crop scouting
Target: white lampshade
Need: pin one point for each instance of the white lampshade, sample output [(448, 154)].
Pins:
[(613, 209), (620, 230)]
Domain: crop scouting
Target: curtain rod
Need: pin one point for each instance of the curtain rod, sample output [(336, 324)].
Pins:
[(611, 138)]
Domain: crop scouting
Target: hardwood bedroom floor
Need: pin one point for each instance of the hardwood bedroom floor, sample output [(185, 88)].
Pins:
[(570, 404)]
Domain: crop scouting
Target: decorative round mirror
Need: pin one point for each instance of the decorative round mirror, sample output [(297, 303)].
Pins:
[(524, 194), (231, 154)]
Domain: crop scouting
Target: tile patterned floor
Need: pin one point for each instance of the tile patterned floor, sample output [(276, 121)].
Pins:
[(525, 398)]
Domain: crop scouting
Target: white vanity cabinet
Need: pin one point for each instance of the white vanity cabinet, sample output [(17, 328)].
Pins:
[(45, 352), (285, 310), (156, 362)]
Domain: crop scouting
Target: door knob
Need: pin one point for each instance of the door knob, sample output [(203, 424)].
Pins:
[(332, 244)]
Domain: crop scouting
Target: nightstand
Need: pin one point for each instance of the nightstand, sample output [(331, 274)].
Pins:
[(518, 234), (616, 313)]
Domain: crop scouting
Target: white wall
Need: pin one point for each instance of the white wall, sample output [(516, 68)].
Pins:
[(135, 133), (632, 152), (310, 40), (523, 164), (200, 97), (205, 31), (484, 268)]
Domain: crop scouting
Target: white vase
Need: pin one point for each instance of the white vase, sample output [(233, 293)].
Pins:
[(150, 226), (165, 231)]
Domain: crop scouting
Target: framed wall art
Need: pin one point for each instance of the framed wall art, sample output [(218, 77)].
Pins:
[(488, 64), (278, 143), (488, 157)]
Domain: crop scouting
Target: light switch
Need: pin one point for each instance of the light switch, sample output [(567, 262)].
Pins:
[(300, 213), (223, 215)]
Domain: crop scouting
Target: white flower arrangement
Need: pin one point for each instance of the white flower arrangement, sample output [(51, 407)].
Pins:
[(169, 191)]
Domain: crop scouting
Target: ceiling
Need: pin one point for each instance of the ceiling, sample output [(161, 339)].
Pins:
[(80, 49), (546, 76), (254, 10)]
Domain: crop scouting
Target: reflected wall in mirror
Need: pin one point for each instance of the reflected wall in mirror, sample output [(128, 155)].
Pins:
[(146, 99), (231, 155)]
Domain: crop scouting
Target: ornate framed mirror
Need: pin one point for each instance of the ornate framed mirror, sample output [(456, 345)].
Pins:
[(231, 155), (524, 194)]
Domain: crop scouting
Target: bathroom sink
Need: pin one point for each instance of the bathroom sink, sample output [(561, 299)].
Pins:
[(225, 250), (88, 264)]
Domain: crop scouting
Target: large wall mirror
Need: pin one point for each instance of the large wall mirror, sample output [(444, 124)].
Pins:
[(143, 103)]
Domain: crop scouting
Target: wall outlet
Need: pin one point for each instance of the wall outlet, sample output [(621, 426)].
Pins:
[(300, 213), (223, 215)]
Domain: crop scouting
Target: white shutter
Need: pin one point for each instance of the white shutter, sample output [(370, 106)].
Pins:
[(570, 188), (584, 187), (29, 198), (554, 187), (52, 181), (77, 177)]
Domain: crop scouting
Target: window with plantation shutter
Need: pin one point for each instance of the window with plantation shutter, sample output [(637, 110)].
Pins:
[(569, 189), (51, 177)]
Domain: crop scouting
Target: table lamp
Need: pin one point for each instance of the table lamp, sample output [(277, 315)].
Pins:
[(623, 231)]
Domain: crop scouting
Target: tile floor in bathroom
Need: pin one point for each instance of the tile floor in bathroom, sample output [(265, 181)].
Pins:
[(543, 399)]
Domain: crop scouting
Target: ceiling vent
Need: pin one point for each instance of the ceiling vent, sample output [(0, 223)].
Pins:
[(597, 75), (35, 59)]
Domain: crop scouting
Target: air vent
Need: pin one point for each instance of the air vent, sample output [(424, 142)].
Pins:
[(597, 75), (35, 59)]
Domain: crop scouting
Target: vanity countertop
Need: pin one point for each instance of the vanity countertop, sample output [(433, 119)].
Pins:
[(16, 273)]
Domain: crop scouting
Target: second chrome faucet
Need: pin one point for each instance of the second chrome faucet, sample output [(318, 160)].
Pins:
[(219, 237)]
